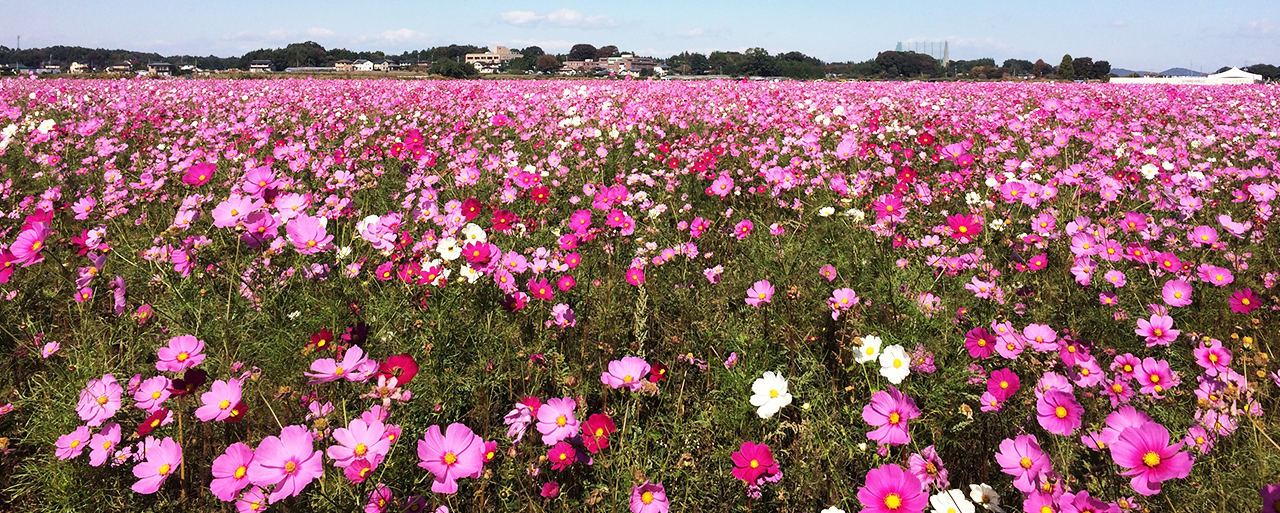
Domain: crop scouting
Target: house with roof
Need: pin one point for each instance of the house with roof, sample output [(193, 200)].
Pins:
[(261, 66), (496, 57), (78, 68), (362, 65), (160, 69), (344, 66)]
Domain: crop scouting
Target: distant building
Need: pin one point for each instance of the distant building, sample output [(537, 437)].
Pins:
[(382, 65), (123, 67), (344, 66), (261, 66), (497, 56), (1231, 76), (362, 65), (622, 64), (160, 69), (78, 68), (49, 68)]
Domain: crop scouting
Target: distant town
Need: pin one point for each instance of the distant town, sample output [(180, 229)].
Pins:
[(915, 61)]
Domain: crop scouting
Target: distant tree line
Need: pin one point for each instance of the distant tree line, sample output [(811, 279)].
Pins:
[(753, 62), (893, 64)]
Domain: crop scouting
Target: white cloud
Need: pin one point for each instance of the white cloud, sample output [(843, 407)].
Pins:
[(560, 18), (1263, 27), (319, 32)]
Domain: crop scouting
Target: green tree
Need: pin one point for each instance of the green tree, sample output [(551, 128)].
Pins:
[(606, 52), (1066, 69), (1041, 68), (1101, 69), (1017, 67), (451, 69), (1083, 67), (582, 52), (547, 63), (698, 63)]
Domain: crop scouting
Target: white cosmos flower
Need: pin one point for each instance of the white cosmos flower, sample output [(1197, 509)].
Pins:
[(832, 509), (986, 496), (473, 233), (870, 349), (770, 394), (951, 501), (826, 211), (449, 249), (895, 364)]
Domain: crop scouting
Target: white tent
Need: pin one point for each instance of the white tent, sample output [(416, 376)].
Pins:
[(1235, 76)]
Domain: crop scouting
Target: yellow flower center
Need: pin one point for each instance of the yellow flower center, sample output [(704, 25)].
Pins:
[(562, 420), (1151, 459), (892, 501), (1060, 412), (897, 362), (563, 456), (871, 351), (626, 379), (235, 212), (1213, 358), (894, 418), (164, 469), (1084, 372), (182, 357), (224, 404), (155, 395), (1158, 388), (102, 400), (599, 431), (1177, 295), (361, 449), (338, 371), (240, 472), (1244, 301), (311, 244), (1025, 462), (1004, 384), (106, 445), (35, 245), (1155, 378), (773, 394), (964, 229), (755, 463), (75, 443), (646, 497)]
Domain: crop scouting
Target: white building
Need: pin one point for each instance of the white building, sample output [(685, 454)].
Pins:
[(497, 56), (362, 65), (1231, 76)]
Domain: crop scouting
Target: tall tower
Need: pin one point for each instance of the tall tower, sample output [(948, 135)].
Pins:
[(946, 53)]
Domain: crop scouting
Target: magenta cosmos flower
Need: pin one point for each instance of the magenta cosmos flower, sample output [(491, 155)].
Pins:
[(556, 421), (1155, 377), (761, 292), (635, 276), (286, 461), (231, 472), (99, 400), (751, 461), (626, 372), (219, 402), (649, 498), (1003, 383), (889, 412), (964, 227), (1214, 358), (889, 489), (1023, 459), (183, 352), (359, 440), (199, 174), (1059, 413), (1177, 293), (27, 248), (1244, 301), (234, 209), (308, 234), (456, 454), (162, 461), (1146, 454)]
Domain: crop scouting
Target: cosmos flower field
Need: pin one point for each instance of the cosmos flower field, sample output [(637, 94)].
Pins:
[(304, 295)]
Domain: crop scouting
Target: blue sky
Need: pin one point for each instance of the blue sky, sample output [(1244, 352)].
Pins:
[(1134, 34)]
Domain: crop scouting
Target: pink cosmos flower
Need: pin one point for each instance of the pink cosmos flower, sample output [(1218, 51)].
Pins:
[(841, 300), (889, 489), (1115, 277), (1218, 276), (308, 235), (455, 454), (353, 367), (199, 174), (286, 461), (964, 227), (258, 180), (28, 247), (751, 461), (556, 420), (1176, 293), (231, 211), (1158, 331), (152, 393), (103, 444), (927, 467), (828, 272), (1059, 413), (1023, 459), (1146, 454), (649, 498), (162, 461), (626, 372), (219, 401), (1244, 301), (379, 499), (359, 440), (1041, 337), (1214, 358), (253, 501), (761, 292), (517, 421), (231, 471), (99, 400), (183, 352), (1155, 377), (49, 348), (71, 445), (889, 411)]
